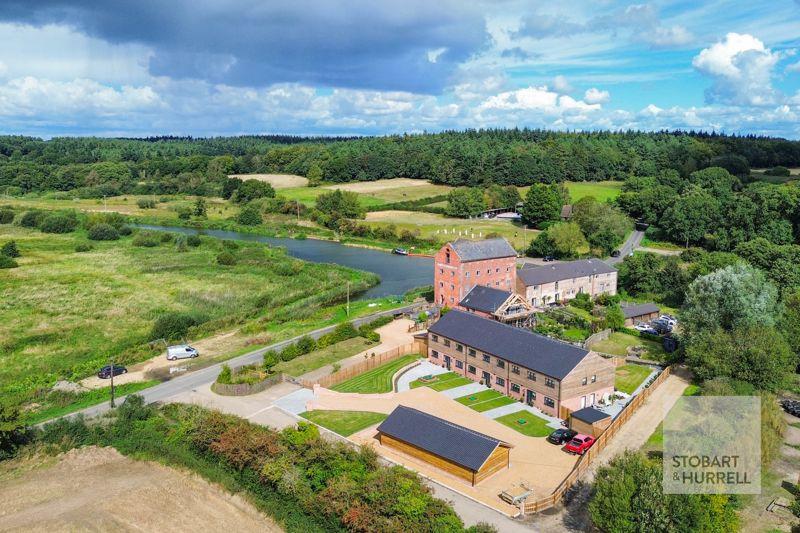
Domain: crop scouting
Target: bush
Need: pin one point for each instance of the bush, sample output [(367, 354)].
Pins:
[(7, 262), (83, 247), (582, 301), (250, 215), (103, 232), (180, 243), (174, 325), (194, 241), (146, 203), (778, 171), (271, 358), (10, 249), (125, 230), (6, 216), (112, 219), (226, 258), (31, 219), (306, 345), (148, 239), (225, 375), (184, 213), (59, 223), (167, 237), (230, 245)]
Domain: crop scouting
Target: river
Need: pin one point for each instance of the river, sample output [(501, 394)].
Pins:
[(398, 273)]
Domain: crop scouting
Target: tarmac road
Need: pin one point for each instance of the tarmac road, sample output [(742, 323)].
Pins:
[(631, 244)]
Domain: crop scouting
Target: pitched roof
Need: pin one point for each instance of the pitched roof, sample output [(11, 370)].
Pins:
[(532, 275), (486, 299), (631, 311), (566, 211), (469, 250), (455, 443), (519, 346), (590, 415)]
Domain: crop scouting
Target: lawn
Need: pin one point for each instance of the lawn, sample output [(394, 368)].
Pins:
[(618, 343), (526, 423), (492, 404), (449, 380), (629, 377), (485, 400), (377, 380), (602, 190), (63, 314), (345, 423), (576, 334), (326, 356)]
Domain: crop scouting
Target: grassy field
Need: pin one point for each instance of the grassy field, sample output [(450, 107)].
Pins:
[(377, 380), (758, 174), (63, 314), (602, 190), (326, 356), (449, 380), (618, 343), (526, 423), (629, 377), (345, 423), (278, 181), (371, 193), (61, 404)]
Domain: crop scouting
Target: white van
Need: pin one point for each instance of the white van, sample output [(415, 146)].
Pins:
[(181, 351)]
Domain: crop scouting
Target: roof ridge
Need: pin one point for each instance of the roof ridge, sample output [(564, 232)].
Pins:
[(451, 424)]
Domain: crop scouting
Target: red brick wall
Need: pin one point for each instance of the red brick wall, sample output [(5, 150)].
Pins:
[(453, 279)]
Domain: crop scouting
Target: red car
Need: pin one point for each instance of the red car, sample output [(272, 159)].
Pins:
[(579, 444)]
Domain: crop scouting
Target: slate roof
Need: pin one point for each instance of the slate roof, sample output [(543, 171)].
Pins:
[(566, 211), (533, 275), (486, 299), (469, 250), (519, 346), (631, 311), (590, 415), (455, 443)]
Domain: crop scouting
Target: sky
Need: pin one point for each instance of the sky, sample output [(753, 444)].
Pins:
[(372, 67)]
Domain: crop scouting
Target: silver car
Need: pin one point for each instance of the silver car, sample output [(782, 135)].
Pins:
[(181, 351)]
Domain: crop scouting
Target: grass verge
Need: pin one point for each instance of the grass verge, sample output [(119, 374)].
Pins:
[(326, 356), (345, 423)]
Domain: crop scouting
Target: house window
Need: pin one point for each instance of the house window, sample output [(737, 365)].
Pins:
[(459, 364), (467, 274), (471, 369), (441, 271), (594, 378), (531, 376), (471, 352), (452, 287), (447, 342), (584, 381), (500, 381), (435, 338), (514, 387), (501, 363), (514, 369), (496, 270), (486, 358), (441, 283), (549, 402), (477, 273), (434, 354), (447, 256), (459, 347), (497, 283), (550, 383)]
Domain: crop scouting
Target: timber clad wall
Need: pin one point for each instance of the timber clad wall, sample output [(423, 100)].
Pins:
[(495, 463)]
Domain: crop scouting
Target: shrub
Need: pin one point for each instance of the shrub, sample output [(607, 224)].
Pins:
[(59, 223), (146, 203), (31, 219), (6, 216), (194, 241), (271, 358), (306, 345), (250, 215), (180, 243), (10, 249), (225, 375), (103, 232), (778, 171), (230, 245), (184, 213), (148, 239), (83, 247), (7, 262), (582, 301), (167, 237), (125, 230), (226, 258), (112, 219), (174, 325)]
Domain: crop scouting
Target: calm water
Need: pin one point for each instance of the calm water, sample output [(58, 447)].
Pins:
[(398, 273)]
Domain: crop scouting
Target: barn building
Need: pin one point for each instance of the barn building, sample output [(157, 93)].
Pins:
[(640, 313)]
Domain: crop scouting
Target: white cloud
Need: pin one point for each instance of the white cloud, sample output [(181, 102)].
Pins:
[(794, 67), (433, 55), (667, 36), (741, 67), (561, 84), (596, 96)]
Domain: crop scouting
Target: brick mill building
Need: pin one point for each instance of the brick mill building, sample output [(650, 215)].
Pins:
[(463, 264), (550, 375)]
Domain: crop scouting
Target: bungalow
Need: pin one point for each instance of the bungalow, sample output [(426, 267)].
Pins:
[(459, 451), (640, 313), (543, 285), (497, 304), (551, 375)]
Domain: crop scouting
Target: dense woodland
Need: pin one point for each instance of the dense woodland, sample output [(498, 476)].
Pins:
[(95, 167)]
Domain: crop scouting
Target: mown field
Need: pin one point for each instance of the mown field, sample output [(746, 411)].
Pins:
[(63, 314), (371, 193), (602, 190)]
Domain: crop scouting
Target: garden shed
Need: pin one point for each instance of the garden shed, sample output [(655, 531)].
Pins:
[(589, 421)]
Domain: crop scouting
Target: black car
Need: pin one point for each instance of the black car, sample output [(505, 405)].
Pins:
[(548, 258), (105, 372), (561, 435), (661, 326), (616, 253)]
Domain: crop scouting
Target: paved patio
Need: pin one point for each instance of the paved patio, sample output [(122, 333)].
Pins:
[(464, 390), (425, 368)]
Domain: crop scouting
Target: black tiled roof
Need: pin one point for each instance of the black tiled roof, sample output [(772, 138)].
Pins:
[(590, 415), (531, 275), (486, 299), (631, 311), (469, 250), (519, 346), (455, 443)]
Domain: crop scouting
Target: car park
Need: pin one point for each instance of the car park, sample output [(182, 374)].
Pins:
[(181, 351), (579, 444), (561, 435), (106, 372), (641, 326), (671, 320), (661, 326)]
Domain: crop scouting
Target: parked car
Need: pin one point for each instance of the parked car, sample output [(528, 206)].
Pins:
[(105, 372), (641, 326), (616, 253), (671, 320), (650, 331), (181, 351), (561, 435), (661, 326), (579, 444), (548, 258)]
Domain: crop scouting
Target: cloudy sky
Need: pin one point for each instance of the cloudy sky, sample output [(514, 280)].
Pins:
[(215, 67)]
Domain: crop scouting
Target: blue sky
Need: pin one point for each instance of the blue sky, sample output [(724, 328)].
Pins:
[(372, 67)]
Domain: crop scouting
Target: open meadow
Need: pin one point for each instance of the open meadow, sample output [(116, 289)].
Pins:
[(278, 181), (603, 191), (372, 193)]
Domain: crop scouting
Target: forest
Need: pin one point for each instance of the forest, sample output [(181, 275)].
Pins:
[(96, 167)]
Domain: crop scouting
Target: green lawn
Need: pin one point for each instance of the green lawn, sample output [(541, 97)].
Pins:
[(345, 423), (576, 334), (660, 245), (450, 380), (617, 344), (602, 190), (526, 423), (630, 376), (478, 397), (377, 380), (491, 404), (326, 356)]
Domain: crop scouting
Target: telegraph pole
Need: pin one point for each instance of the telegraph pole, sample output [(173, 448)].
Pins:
[(112, 383), (348, 298)]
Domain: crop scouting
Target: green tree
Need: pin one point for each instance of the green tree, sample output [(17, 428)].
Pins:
[(10, 249), (603, 225), (542, 246), (340, 204), (568, 239), (790, 320), (691, 217), (615, 318), (542, 204), (314, 175), (253, 189), (249, 215), (200, 207), (12, 431), (465, 202)]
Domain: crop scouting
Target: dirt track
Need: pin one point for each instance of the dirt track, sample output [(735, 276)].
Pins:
[(98, 489)]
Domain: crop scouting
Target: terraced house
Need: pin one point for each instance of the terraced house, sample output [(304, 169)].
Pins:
[(544, 285), (551, 375)]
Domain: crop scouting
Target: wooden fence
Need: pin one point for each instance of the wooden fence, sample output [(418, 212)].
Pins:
[(591, 454), (372, 360)]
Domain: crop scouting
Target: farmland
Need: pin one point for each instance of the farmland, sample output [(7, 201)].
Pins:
[(603, 191), (372, 193)]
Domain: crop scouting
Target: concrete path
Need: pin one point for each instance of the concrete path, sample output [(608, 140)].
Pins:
[(295, 402), (503, 410), (463, 390), (425, 368)]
